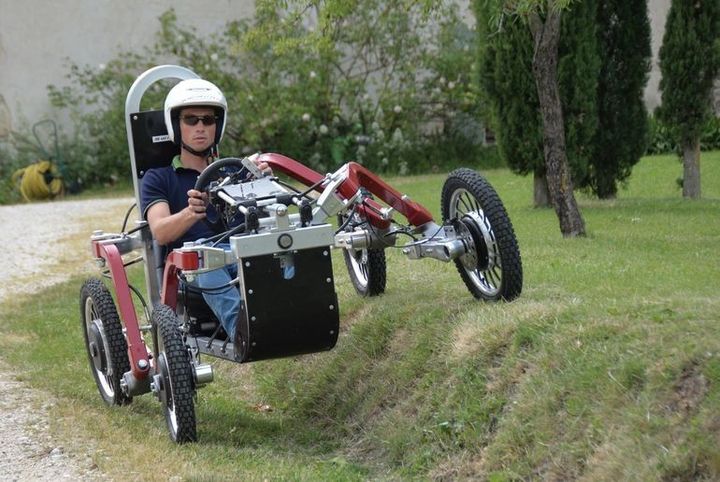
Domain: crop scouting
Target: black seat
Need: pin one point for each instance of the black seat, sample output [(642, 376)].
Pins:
[(153, 147)]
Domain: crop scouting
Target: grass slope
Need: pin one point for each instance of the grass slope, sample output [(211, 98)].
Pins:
[(606, 368)]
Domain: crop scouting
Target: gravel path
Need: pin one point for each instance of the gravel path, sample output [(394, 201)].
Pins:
[(47, 243)]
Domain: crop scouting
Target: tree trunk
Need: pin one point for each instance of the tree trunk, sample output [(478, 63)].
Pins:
[(691, 169), (541, 195), (546, 36)]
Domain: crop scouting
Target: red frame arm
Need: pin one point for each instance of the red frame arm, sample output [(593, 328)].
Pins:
[(176, 261), (136, 347), (357, 176)]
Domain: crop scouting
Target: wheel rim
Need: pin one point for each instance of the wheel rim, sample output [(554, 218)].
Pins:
[(359, 259), (478, 234), (359, 262), (166, 396), (98, 348)]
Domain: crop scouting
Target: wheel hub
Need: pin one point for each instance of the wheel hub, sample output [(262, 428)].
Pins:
[(96, 342), (477, 256)]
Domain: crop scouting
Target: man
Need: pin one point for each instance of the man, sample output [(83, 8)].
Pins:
[(195, 115)]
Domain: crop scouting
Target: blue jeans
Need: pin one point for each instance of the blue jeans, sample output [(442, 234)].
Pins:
[(225, 303)]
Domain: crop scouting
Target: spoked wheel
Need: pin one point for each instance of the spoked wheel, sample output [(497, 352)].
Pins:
[(173, 379), (367, 267), (104, 340), (491, 268)]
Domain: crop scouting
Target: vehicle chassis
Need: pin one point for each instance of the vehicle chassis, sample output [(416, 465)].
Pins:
[(283, 227)]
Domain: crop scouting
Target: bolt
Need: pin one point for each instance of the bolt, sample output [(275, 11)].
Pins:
[(332, 307), (329, 280), (142, 364), (253, 318), (247, 263), (250, 292)]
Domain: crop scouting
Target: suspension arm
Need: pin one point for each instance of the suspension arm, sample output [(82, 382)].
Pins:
[(356, 176)]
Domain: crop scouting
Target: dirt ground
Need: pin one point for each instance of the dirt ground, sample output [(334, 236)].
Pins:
[(48, 242)]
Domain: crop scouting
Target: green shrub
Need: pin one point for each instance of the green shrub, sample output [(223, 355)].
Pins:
[(661, 140), (386, 84)]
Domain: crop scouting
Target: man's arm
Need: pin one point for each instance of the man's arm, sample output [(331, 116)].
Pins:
[(166, 227)]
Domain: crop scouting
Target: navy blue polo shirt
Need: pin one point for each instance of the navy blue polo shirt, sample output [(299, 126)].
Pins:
[(170, 184)]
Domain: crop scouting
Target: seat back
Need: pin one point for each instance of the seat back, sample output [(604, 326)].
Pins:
[(151, 142), (149, 146)]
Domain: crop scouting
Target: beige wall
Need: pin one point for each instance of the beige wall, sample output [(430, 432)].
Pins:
[(37, 37), (658, 10)]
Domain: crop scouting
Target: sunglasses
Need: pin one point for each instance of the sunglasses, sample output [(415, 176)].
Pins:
[(207, 120)]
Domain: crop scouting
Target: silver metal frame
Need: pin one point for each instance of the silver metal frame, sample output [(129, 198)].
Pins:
[(132, 106)]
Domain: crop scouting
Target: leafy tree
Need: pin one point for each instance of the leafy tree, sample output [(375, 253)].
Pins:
[(543, 18), (506, 59), (579, 66), (325, 82), (505, 75), (623, 31), (689, 61)]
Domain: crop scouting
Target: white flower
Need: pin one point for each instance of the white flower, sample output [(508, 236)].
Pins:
[(336, 120), (442, 81), (385, 161), (323, 129), (312, 74), (101, 66), (397, 109), (397, 136), (250, 97), (361, 150), (214, 56), (375, 126), (451, 85), (306, 117)]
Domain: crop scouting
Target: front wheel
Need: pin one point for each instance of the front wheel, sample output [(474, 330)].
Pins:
[(173, 379), (104, 340), (491, 267)]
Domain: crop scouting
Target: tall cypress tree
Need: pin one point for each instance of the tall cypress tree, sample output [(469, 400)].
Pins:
[(506, 56), (624, 44), (510, 88), (689, 61), (578, 71)]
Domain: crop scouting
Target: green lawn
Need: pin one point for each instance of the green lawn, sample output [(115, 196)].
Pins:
[(606, 368)]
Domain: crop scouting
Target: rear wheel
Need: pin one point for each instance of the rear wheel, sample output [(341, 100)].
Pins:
[(173, 379), (491, 268), (104, 340), (366, 267)]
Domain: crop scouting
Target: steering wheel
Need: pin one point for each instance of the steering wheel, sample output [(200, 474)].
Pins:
[(217, 170)]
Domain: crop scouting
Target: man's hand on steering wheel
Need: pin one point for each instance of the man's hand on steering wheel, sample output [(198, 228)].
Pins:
[(197, 203), (198, 197), (264, 167)]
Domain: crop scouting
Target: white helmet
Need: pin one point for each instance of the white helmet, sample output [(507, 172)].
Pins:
[(190, 93)]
